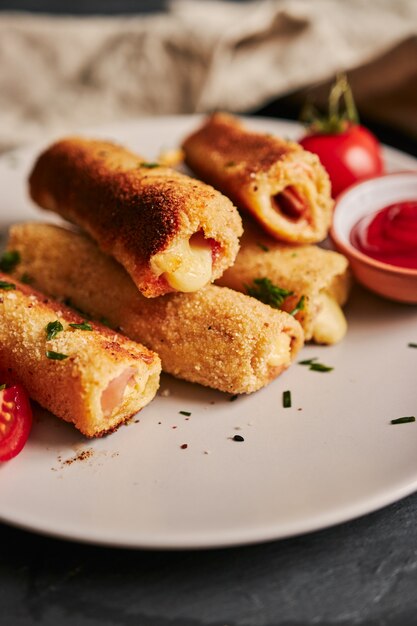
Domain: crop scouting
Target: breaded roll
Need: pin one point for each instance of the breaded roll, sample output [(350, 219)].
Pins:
[(216, 337), (284, 187), (169, 231), (316, 280), (81, 371)]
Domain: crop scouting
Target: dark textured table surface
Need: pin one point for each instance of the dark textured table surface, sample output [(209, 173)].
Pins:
[(361, 572)]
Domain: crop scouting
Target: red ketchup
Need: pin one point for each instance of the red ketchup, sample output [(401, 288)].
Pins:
[(389, 235)]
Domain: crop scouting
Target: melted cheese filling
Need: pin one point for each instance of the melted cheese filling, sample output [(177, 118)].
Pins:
[(330, 325), (186, 265), (281, 351)]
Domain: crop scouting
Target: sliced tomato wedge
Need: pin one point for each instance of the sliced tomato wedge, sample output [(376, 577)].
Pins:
[(15, 420)]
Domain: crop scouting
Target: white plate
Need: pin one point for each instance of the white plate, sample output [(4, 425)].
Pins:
[(333, 456)]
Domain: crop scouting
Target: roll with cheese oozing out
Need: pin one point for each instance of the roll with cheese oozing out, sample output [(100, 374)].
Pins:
[(311, 282), (215, 336), (169, 231), (284, 187), (81, 371)]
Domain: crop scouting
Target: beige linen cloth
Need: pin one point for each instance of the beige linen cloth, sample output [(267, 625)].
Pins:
[(62, 73)]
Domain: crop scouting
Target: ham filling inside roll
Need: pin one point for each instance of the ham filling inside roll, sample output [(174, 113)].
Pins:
[(116, 390), (187, 264), (290, 203)]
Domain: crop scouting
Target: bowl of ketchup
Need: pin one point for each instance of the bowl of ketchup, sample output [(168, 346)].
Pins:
[(375, 226)]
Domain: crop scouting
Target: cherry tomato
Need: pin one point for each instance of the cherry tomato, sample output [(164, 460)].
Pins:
[(351, 155), (15, 420)]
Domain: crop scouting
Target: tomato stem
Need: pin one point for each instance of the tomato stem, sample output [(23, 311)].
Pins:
[(341, 90), (336, 119)]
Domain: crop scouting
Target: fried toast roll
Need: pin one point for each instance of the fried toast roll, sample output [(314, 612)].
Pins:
[(319, 277), (85, 374), (169, 231), (216, 337), (283, 186)]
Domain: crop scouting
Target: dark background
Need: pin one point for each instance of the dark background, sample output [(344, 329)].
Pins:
[(363, 572)]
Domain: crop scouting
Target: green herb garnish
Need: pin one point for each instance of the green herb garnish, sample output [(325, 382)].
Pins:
[(286, 399), (6, 286), (56, 356), (319, 367), (3, 386), (150, 166), (83, 326), (268, 293), (404, 420), (26, 279), (262, 246), (299, 306), (9, 260), (412, 345), (316, 367), (187, 413), (52, 329)]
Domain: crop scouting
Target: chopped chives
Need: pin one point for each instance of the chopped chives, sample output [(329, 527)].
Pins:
[(26, 278), (187, 413), (264, 290), (286, 399), (319, 367), (150, 166), (83, 326), (6, 286), (9, 260), (316, 367), (404, 420), (412, 345), (299, 306), (52, 329), (56, 356), (262, 246)]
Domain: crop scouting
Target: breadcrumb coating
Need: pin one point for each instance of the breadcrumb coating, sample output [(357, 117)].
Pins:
[(133, 209), (94, 378), (282, 185), (306, 270), (216, 337)]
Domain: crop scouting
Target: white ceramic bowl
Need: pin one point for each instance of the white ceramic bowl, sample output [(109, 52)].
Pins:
[(362, 199)]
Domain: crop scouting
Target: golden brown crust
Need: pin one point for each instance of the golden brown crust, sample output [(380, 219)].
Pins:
[(307, 271), (72, 388), (226, 139), (215, 337), (253, 169), (132, 209)]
